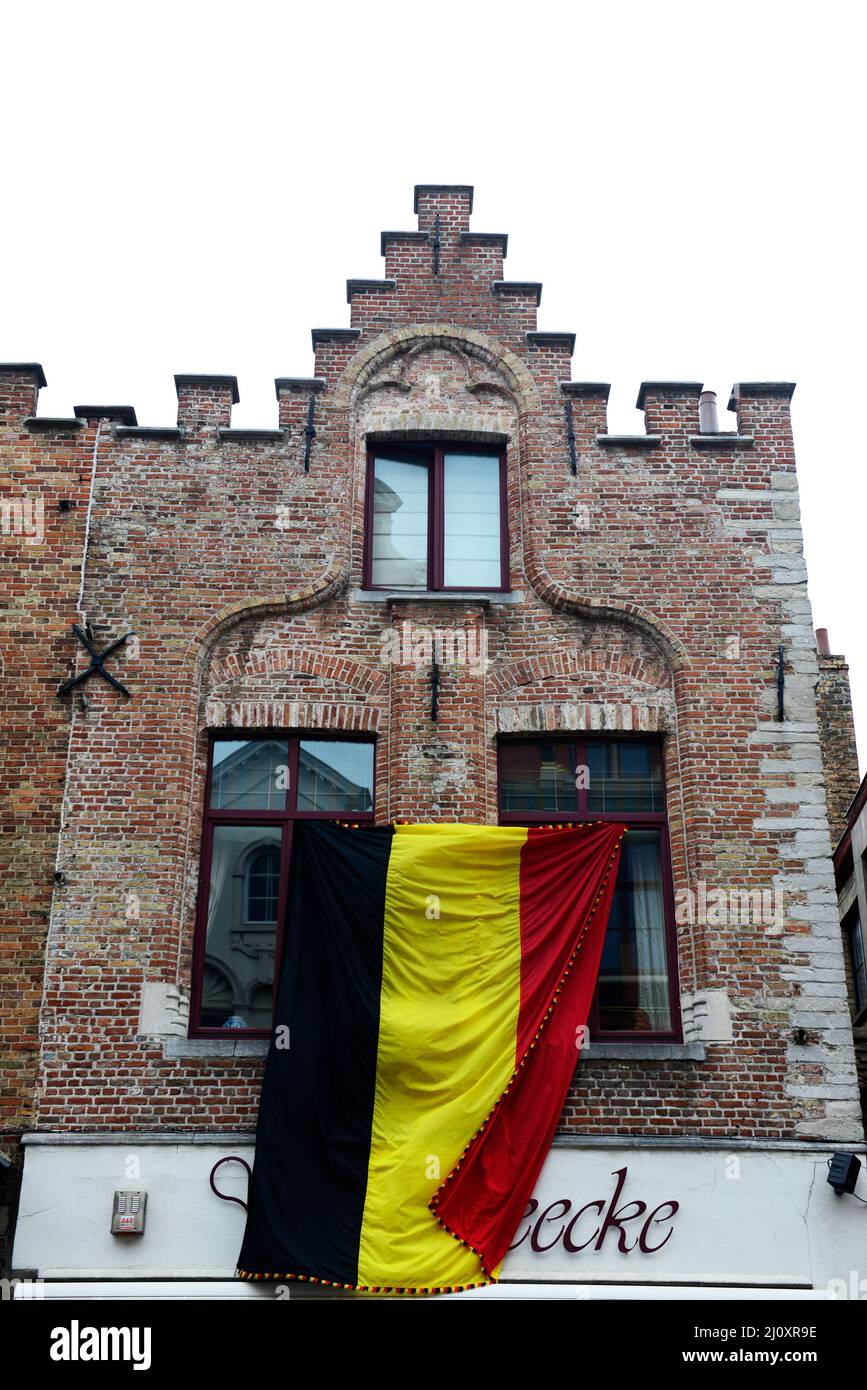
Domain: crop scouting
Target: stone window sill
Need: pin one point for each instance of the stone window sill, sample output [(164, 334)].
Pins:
[(597, 1052), (644, 1052), (482, 596), (215, 1047)]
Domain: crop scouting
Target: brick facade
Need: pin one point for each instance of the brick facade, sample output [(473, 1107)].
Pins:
[(837, 739), (651, 589)]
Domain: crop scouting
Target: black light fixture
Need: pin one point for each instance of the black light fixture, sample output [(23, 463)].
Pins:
[(843, 1170)]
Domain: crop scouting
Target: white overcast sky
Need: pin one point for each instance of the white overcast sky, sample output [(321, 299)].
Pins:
[(187, 187)]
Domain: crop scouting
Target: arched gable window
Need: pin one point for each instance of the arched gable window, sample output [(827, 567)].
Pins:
[(262, 887)]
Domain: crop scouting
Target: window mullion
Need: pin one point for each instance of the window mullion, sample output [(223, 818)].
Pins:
[(436, 538), (291, 802), (580, 748)]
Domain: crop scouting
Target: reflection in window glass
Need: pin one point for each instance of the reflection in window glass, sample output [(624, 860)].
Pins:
[(217, 1000), (263, 885), (633, 974), (472, 521), (624, 776), (335, 776), (538, 776), (249, 774), (241, 926), (400, 523)]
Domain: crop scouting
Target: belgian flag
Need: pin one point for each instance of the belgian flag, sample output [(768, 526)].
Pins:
[(434, 982)]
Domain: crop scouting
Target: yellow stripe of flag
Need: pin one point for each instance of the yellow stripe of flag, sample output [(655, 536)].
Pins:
[(451, 982)]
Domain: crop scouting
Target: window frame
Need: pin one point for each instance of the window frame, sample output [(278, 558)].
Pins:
[(851, 924), (433, 452), (285, 818), (638, 819)]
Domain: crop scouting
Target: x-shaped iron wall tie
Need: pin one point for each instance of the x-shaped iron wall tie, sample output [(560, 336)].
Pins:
[(97, 663)]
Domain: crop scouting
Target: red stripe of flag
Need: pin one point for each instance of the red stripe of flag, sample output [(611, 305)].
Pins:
[(567, 883)]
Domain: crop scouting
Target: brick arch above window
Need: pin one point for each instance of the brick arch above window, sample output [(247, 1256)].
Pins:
[(276, 659), (412, 369), (574, 663), (480, 346)]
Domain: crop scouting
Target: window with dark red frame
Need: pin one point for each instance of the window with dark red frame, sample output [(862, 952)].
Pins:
[(592, 779), (257, 789), (854, 937), (436, 517)]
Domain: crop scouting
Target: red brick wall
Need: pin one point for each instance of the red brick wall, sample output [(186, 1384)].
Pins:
[(41, 555), (650, 590)]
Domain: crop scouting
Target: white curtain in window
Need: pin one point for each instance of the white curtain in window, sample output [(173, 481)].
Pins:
[(222, 853), (649, 932)]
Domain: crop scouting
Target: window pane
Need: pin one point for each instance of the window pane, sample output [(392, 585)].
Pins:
[(624, 776), (855, 935), (538, 776), (400, 523), (241, 930), (472, 521), (249, 775), (335, 776), (633, 975)]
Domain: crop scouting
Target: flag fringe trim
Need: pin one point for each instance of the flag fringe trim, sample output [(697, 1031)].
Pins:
[(368, 1288)]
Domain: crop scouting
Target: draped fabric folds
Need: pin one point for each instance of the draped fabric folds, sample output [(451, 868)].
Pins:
[(434, 985)]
